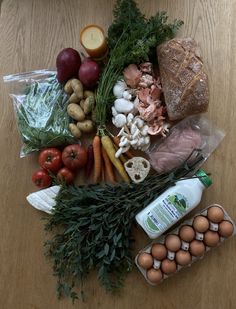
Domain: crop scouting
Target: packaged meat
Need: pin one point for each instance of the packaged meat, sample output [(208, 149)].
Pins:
[(185, 140)]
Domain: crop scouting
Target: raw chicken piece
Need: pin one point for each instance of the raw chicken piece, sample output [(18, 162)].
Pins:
[(175, 149)]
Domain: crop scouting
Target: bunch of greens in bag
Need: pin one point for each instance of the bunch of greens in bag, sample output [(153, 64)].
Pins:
[(42, 118)]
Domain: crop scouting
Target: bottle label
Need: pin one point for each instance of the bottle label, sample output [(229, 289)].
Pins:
[(166, 212)]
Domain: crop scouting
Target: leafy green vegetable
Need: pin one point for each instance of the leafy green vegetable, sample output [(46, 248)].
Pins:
[(42, 118), (92, 228), (131, 39)]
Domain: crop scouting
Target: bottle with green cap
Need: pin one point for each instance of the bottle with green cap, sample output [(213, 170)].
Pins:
[(173, 204)]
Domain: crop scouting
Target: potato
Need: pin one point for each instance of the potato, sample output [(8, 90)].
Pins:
[(75, 130), (73, 98), (85, 126), (68, 87), (82, 104), (78, 88), (88, 104), (75, 112), (88, 93)]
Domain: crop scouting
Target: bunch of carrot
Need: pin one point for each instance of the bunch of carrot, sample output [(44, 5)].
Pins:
[(102, 155)]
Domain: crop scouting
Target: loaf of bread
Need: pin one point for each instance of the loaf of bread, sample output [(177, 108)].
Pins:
[(184, 81)]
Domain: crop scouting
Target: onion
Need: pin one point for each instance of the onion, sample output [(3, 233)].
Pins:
[(89, 72), (67, 63)]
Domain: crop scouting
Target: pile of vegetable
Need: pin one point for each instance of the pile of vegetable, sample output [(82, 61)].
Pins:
[(68, 118)]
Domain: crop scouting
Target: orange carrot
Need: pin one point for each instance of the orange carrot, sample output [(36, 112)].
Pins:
[(108, 167), (97, 158), (116, 141)]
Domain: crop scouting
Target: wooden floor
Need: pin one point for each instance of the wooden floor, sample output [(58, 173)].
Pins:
[(31, 35)]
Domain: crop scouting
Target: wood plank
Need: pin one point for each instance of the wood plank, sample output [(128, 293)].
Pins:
[(32, 33)]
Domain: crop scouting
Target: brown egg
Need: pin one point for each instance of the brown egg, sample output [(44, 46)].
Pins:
[(154, 275), (197, 248), (201, 224), (168, 267), (186, 233), (226, 228), (215, 214), (145, 260), (159, 251), (173, 242), (183, 257), (211, 239)]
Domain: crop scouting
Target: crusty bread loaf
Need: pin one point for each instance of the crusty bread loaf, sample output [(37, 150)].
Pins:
[(184, 81)]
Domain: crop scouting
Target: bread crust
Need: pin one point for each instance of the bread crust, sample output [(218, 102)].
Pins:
[(184, 80)]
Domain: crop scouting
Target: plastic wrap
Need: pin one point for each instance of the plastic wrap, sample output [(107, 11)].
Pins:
[(193, 133), (40, 105)]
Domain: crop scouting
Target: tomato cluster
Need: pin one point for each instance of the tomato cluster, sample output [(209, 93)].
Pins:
[(63, 164)]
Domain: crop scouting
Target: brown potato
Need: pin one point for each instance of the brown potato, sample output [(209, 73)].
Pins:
[(75, 112), (88, 105), (73, 98), (75, 130), (85, 126), (68, 87), (78, 88)]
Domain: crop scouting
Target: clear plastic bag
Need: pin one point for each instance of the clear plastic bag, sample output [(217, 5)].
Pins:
[(193, 133), (40, 107)]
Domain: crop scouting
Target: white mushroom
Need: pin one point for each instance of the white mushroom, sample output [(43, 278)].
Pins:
[(114, 111), (119, 120), (127, 95), (118, 153), (140, 122), (144, 130), (123, 106), (130, 117), (119, 89)]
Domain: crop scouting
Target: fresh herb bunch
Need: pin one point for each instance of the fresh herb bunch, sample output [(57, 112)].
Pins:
[(93, 225), (131, 39), (41, 118)]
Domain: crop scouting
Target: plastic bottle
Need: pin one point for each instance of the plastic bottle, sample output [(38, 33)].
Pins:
[(173, 204)]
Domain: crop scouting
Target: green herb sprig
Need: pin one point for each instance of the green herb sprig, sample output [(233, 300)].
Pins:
[(131, 39), (93, 228)]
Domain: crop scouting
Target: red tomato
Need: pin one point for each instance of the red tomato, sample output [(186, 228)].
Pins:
[(65, 175), (41, 179), (74, 157), (50, 159)]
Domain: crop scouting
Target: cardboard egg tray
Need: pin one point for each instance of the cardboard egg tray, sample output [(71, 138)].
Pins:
[(161, 240)]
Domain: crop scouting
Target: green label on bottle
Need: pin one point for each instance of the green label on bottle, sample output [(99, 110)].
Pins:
[(165, 213)]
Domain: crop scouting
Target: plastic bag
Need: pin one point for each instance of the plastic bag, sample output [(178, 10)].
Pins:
[(40, 108), (193, 133)]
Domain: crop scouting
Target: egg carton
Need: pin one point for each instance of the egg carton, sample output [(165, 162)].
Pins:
[(171, 255)]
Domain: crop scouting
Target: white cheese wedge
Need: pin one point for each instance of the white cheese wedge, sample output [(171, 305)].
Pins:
[(44, 200)]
